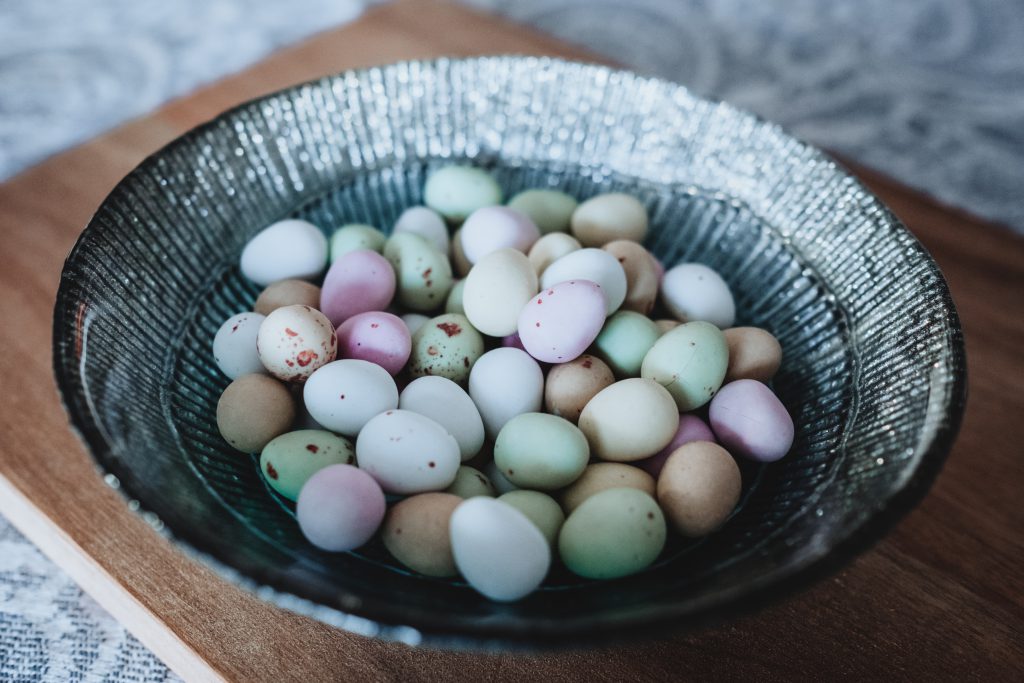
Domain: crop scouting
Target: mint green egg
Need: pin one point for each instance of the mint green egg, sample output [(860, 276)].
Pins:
[(356, 236), (292, 458), (614, 533), (690, 361), (540, 508), (541, 451), (446, 346), (454, 302), (550, 210), (457, 191), (470, 482), (423, 274), (624, 341)]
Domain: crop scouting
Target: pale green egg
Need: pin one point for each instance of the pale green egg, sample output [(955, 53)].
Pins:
[(550, 210), (291, 459), (624, 341), (354, 237), (423, 274), (541, 451), (540, 508), (690, 361), (446, 346), (457, 191), (614, 533), (470, 482), (454, 302)]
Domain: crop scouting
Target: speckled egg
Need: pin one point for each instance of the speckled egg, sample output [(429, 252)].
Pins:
[(541, 451), (595, 265), (453, 304), (690, 361), (470, 482), (751, 421), (294, 341), (691, 428), (601, 476), (642, 274), (624, 340), (457, 191), (407, 452), (540, 508), (608, 217), (753, 354), (445, 402), (550, 248), (570, 386), (504, 383), (496, 227), (427, 223), (357, 282), (234, 345), (343, 395), (558, 324), (631, 420), (550, 210), (692, 291), (289, 460), (340, 508), (496, 290), (614, 533), (356, 237), (446, 346), (378, 337), (424, 275), (416, 532), (253, 410), (698, 488), (288, 249), (287, 293)]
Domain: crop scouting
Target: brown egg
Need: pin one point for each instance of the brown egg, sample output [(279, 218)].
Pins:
[(753, 354), (698, 488), (664, 325), (570, 386), (641, 275), (602, 476), (460, 264), (415, 531), (253, 410), (287, 293)]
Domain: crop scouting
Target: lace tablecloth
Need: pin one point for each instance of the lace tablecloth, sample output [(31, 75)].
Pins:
[(931, 92)]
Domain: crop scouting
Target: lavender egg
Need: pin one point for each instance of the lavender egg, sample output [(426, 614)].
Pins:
[(750, 421), (558, 324), (691, 428), (340, 508), (378, 337), (357, 282), (496, 227)]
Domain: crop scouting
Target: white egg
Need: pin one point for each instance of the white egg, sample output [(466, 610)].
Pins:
[(504, 383), (496, 227), (596, 265), (407, 453), (293, 341), (692, 291), (496, 290), (498, 550), (234, 345), (414, 321), (445, 402), (426, 223), (343, 395), (289, 249), (498, 480)]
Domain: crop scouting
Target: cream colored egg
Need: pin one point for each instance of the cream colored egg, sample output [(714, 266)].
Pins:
[(294, 341), (608, 217), (630, 420), (496, 289), (550, 248)]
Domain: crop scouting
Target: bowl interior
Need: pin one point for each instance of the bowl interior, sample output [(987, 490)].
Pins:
[(870, 371)]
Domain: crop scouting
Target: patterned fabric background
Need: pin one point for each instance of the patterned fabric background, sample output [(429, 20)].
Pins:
[(930, 91)]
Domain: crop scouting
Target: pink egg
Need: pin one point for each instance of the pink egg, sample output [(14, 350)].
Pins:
[(659, 268), (496, 227), (513, 341), (340, 508), (357, 282), (750, 421), (691, 428), (378, 337), (559, 324)]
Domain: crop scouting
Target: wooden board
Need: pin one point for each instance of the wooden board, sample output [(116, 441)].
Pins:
[(942, 597)]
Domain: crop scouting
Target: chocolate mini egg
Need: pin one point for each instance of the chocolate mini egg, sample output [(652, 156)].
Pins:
[(608, 217), (550, 248), (540, 508), (692, 291), (496, 227), (288, 249), (558, 324), (570, 386), (427, 223), (753, 354), (698, 488), (407, 452), (234, 345), (378, 337), (751, 421), (359, 281), (541, 451), (414, 321), (445, 402), (496, 290), (289, 460), (505, 382), (416, 532), (340, 508), (550, 210), (354, 237), (630, 420), (294, 341), (691, 428), (614, 533), (453, 304), (253, 410), (470, 482), (457, 191), (624, 340), (642, 274), (601, 476), (287, 293), (423, 273), (499, 551), (595, 265), (343, 395), (445, 346), (690, 361)]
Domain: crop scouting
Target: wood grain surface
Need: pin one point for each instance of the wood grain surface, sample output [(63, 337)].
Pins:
[(941, 598)]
